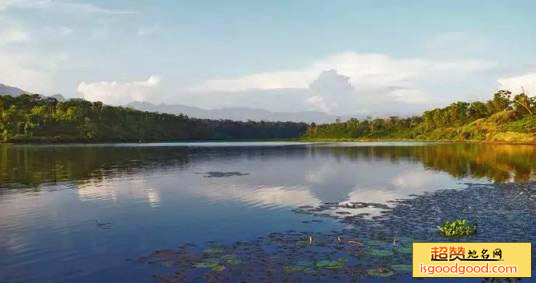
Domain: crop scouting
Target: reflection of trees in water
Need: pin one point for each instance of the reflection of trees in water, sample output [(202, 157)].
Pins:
[(34, 165), (499, 163)]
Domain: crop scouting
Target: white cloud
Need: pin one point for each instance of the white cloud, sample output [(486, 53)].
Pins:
[(273, 80), (414, 96), (350, 83), (146, 31), (365, 72), (13, 36), (119, 93), (516, 83), (70, 7), (321, 104)]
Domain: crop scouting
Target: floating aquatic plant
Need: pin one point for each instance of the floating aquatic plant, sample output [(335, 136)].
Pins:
[(231, 259), (379, 253), (217, 268), (212, 263), (302, 266), (457, 228), (213, 250), (331, 264), (380, 272), (207, 263), (402, 267), (404, 249)]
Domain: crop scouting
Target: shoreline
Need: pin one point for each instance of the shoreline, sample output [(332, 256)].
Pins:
[(322, 140), (422, 140)]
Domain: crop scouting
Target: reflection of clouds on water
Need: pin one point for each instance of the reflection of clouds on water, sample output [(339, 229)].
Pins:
[(321, 174), (418, 181), (267, 197), (412, 179), (379, 195), (102, 190), (153, 198), (399, 186), (126, 189), (369, 195), (328, 179)]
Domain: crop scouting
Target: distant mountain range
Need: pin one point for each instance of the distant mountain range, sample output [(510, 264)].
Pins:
[(237, 113), (12, 91), (230, 113)]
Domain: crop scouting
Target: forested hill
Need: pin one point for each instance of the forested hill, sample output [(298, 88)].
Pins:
[(32, 118), (505, 118)]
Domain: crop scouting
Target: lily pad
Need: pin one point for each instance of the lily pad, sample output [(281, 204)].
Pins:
[(402, 267), (213, 250), (207, 263), (380, 272), (217, 268), (293, 268), (231, 259), (376, 243), (405, 249), (331, 264), (380, 253)]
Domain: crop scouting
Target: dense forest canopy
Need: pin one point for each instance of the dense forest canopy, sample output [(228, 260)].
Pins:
[(504, 118), (33, 118)]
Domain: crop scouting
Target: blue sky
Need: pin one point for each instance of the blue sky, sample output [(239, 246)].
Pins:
[(341, 57)]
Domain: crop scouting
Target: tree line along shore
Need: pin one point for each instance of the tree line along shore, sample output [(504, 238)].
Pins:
[(505, 118)]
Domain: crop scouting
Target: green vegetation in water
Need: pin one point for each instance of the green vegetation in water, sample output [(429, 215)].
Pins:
[(457, 228), (316, 266), (402, 267), (380, 272), (211, 263), (231, 259), (379, 253), (404, 249), (213, 250), (331, 264)]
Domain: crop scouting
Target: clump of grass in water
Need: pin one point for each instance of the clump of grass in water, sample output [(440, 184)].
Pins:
[(457, 228)]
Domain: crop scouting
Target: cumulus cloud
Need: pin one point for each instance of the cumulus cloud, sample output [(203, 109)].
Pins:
[(353, 83), (365, 71), (516, 84), (320, 103), (119, 93), (328, 91)]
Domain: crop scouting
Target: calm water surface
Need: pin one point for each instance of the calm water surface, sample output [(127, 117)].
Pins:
[(81, 212)]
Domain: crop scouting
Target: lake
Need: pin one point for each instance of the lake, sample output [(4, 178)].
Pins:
[(253, 211)]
